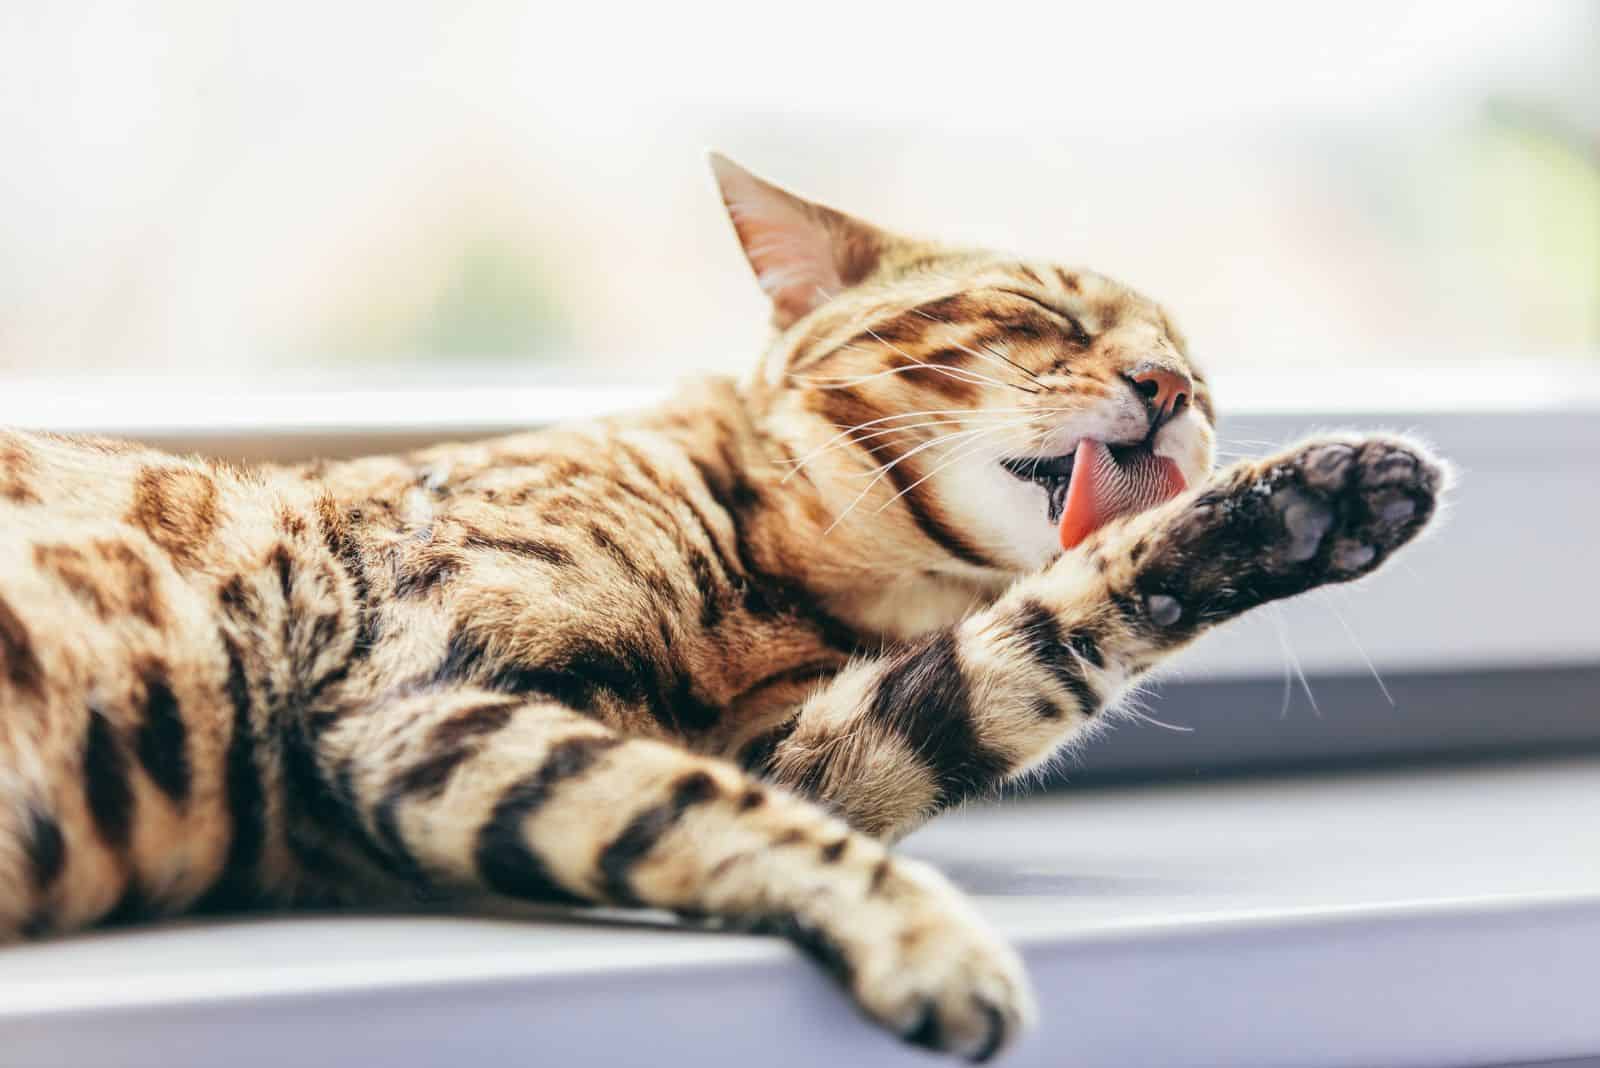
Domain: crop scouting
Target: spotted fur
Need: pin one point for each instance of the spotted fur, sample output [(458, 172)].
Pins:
[(709, 658)]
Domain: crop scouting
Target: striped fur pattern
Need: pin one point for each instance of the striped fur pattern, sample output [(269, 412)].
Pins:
[(709, 658)]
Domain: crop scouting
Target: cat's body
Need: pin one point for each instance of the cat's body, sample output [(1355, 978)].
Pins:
[(703, 659)]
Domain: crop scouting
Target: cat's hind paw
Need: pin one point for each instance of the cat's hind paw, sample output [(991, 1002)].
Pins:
[(920, 962)]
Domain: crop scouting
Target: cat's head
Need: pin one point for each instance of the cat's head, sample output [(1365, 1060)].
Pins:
[(936, 396)]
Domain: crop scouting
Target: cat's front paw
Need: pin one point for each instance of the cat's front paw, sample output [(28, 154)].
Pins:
[(1328, 510), (1343, 506), (919, 961)]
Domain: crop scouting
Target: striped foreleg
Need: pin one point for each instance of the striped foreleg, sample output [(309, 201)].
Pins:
[(891, 741)]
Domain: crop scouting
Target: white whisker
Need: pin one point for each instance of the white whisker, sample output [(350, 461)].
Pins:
[(847, 431), (848, 434), (961, 374), (1345, 623), (990, 354), (1294, 659), (961, 454), (883, 471), (1012, 385)]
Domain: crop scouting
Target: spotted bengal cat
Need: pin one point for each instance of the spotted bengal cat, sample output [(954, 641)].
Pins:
[(710, 658)]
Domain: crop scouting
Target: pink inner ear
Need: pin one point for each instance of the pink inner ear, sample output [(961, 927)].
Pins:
[(789, 247), (791, 254)]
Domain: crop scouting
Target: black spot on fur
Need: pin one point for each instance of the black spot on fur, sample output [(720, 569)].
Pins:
[(340, 541), (756, 756), (927, 1031), (449, 747), (426, 779), (996, 1036), (554, 555), (131, 908), (424, 572), (474, 722), (46, 850), (283, 566), (709, 587), (468, 658), (246, 797), (503, 855), (685, 710), (1054, 650), (922, 696), (880, 876), (17, 658), (324, 629), (238, 602), (639, 837), (163, 738), (105, 781), (763, 593), (624, 667), (815, 943)]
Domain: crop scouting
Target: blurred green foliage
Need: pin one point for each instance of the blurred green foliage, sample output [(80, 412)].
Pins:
[(485, 297)]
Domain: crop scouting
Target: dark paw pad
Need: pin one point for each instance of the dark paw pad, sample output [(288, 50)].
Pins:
[(1306, 518), (1392, 507), (1385, 465), (1344, 507), (1329, 511), (1327, 467), (1351, 556), (1164, 610)]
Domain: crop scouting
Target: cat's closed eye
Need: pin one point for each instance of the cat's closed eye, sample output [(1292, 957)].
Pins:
[(1080, 336)]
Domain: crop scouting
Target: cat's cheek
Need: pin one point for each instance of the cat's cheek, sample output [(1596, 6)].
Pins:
[(1010, 514)]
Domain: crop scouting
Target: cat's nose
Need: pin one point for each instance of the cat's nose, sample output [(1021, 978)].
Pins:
[(1165, 389)]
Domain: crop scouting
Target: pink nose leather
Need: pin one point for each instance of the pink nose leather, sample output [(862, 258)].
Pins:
[(1163, 387)]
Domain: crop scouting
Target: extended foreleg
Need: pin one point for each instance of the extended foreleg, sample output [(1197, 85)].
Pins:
[(890, 741)]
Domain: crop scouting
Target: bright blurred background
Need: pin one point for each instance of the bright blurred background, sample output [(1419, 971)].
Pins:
[(484, 192)]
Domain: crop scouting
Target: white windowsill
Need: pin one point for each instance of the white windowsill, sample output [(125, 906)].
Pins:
[(1423, 918), (1442, 917)]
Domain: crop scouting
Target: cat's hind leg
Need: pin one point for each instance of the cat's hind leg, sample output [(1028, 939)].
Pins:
[(478, 790)]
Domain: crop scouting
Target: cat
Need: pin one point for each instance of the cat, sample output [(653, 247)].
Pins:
[(712, 658)]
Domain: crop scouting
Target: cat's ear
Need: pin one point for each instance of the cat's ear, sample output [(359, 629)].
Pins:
[(803, 253)]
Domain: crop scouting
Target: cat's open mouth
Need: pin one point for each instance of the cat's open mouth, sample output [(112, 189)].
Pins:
[(1054, 473), (1097, 483)]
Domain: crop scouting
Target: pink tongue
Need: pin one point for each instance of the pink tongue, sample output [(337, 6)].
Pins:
[(1103, 489)]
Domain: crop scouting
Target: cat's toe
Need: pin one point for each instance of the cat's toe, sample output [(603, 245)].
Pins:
[(1328, 510), (1345, 505), (1399, 485), (934, 974)]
